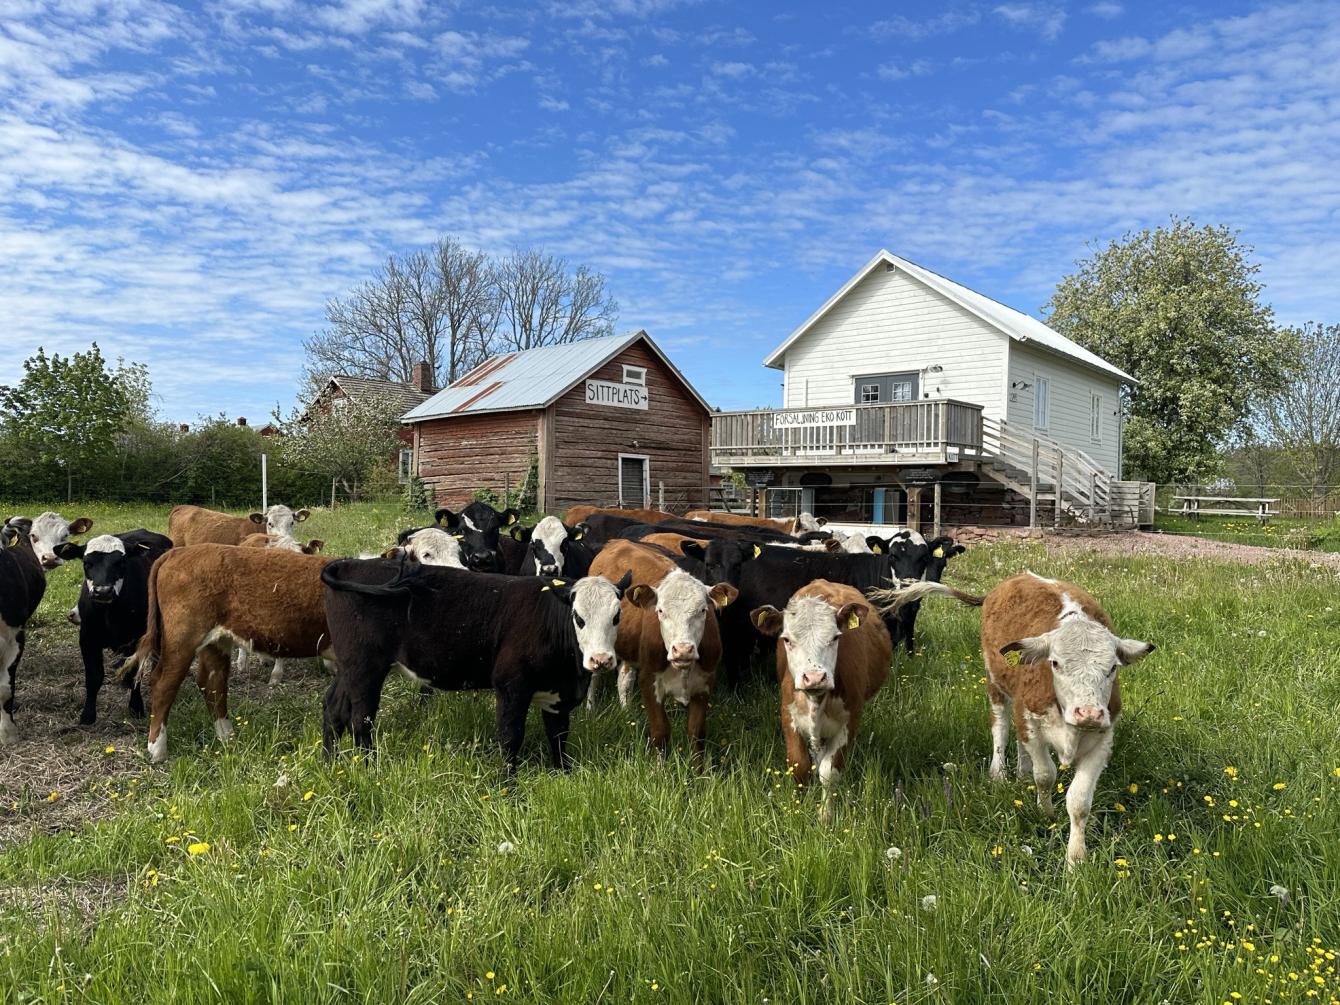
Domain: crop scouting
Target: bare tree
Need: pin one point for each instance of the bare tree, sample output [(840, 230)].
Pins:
[(542, 303), (469, 304), (1305, 416)]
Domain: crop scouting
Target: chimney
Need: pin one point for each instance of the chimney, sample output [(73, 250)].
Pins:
[(241, 420), (423, 378), (184, 427)]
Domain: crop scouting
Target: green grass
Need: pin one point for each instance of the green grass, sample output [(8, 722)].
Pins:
[(634, 881), (1280, 532)]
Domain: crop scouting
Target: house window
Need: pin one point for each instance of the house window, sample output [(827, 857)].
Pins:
[(869, 393), (1041, 403), (635, 375), (900, 390), (1096, 418), (406, 467), (872, 388)]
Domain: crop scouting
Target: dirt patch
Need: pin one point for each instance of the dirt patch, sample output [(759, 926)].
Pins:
[(1181, 546)]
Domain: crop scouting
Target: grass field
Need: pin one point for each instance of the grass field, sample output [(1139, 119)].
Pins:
[(258, 872), (1281, 532)]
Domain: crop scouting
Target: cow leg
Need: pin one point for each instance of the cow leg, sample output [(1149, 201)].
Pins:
[(593, 689), (556, 725), (658, 723), (797, 751), (366, 699), (277, 674), (513, 704), (1044, 772), (834, 762), (131, 682), (94, 675), (212, 677), (1079, 797), (10, 651), (628, 683), (1025, 768), (174, 662), (1000, 730), (697, 729)]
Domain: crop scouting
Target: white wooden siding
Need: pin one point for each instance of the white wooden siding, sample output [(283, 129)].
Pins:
[(889, 323), (1071, 388)]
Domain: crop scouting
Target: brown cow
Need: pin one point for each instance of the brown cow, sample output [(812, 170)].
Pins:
[(578, 514), (207, 600), (833, 655), (668, 639), (1051, 653), (262, 540), (196, 525), (791, 525)]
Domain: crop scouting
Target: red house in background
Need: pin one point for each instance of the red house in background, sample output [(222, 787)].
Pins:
[(404, 395)]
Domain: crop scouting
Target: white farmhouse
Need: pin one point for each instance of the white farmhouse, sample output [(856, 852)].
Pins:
[(906, 387)]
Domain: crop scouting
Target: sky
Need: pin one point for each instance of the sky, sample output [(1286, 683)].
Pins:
[(188, 185)]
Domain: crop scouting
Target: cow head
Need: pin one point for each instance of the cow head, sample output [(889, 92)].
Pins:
[(546, 547), (428, 546), (939, 551), (477, 528), (104, 565), (809, 522), (1083, 656), (810, 629), (279, 519), (595, 603), (48, 532), (682, 603), (724, 559)]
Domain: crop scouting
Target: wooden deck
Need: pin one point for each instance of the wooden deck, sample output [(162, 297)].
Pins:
[(914, 432)]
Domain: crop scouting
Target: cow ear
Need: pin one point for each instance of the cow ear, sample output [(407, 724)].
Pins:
[(446, 518), (642, 595), (957, 549), (314, 546), (768, 620), (300, 515), (722, 594), (625, 581), (876, 544), (822, 521), (850, 616), (580, 531), (1030, 650), (395, 552), (10, 535), (1133, 650), (69, 551), (694, 550), (257, 518), (518, 534), (559, 588), (832, 544), (81, 526), (509, 516)]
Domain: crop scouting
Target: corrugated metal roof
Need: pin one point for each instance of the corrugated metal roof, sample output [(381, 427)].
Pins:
[(1016, 324), (532, 379)]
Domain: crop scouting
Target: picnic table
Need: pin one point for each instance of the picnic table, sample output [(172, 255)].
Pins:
[(1261, 508)]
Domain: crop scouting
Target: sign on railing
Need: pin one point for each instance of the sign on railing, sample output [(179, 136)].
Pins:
[(813, 418)]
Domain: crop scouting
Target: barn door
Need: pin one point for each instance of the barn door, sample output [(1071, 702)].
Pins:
[(634, 482)]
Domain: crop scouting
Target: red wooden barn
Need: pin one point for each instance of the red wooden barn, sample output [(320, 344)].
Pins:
[(606, 420)]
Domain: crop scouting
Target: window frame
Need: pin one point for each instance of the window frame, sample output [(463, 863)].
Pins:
[(634, 375)]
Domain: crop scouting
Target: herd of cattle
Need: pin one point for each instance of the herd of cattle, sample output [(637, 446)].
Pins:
[(543, 615)]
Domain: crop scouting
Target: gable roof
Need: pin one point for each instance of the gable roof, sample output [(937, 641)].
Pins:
[(406, 396), (536, 378), (1015, 324)]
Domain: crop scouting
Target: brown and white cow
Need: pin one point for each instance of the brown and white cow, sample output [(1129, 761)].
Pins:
[(196, 525), (1052, 659), (263, 540), (579, 514), (668, 639), (833, 655), (804, 523), (208, 599)]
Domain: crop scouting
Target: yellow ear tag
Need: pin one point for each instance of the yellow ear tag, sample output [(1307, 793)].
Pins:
[(1013, 657), (757, 551), (853, 621), (543, 589), (577, 536), (723, 601), (877, 550), (939, 552), (511, 519), (558, 582)]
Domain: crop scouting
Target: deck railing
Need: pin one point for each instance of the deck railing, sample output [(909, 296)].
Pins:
[(903, 433)]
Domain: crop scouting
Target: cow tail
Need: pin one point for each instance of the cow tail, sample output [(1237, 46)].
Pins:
[(893, 599), (145, 656)]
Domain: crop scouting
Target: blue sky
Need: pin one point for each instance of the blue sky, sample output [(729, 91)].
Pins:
[(190, 184)]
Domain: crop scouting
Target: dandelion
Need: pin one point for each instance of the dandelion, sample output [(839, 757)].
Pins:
[(506, 847), (197, 848), (949, 766), (1261, 634), (292, 827), (1281, 892), (1027, 849), (1231, 771), (1280, 786), (893, 854), (997, 851), (1132, 788), (1121, 863), (1158, 839), (930, 902), (488, 976), (307, 796), (53, 797), (109, 749), (932, 980)]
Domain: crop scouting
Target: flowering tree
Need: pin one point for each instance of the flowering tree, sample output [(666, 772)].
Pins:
[(347, 441)]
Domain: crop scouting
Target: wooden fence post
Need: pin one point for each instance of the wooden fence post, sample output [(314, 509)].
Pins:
[(1033, 488), (1059, 494), (935, 532)]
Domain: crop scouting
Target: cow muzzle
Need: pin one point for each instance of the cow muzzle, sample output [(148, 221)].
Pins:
[(1088, 717), (51, 562), (481, 561), (600, 662), (102, 594), (683, 655), (815, 682)]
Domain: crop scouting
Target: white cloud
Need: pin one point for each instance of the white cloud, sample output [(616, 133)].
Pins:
[(944, 23), (734, 70), (894, 71), (1045, 19), (1107, 9)]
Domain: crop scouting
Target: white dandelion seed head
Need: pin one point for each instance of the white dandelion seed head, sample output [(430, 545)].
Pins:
[(932, 980), (1261, 634), (930, 902), (893, 854), (949, 766), (506, 847), (1027, 849)]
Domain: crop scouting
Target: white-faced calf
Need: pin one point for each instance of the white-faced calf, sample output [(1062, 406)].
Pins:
[(833, 655), (1052, 662), (196, 525)]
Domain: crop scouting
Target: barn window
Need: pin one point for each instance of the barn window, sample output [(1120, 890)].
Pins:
[(635, 375), (869, 393), (1096, 418), (1041, 403), (406, 467)]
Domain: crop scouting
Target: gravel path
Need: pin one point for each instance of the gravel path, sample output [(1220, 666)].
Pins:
[(1187, 546)]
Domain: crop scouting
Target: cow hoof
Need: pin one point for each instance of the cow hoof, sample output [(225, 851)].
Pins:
[(9, 733), (88, 719), (223, 729), (158, 748)]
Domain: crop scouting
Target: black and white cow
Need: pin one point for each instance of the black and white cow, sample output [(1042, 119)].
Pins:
[(477, 526), (49, 531), (912, 551), (113, 605), (22, 584), (555, 549), (530, 640)]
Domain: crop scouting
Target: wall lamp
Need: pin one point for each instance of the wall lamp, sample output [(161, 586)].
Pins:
[(1020, 385)]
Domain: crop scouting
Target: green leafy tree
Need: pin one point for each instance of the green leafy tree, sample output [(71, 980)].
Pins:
[(1178, 308), (65, 414), (351, 441), (1304, 417)]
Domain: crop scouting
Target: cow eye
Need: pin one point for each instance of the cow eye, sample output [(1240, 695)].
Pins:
[(1113, 670), (581, 623), (616, 616)]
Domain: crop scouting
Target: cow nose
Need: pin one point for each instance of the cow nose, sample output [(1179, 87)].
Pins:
[(814, 680), (600, 662), (1088, 717), (550, 570), (50, 562), (683, 652)]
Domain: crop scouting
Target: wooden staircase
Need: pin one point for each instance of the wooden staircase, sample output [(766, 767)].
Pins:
[(1069, 481)]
